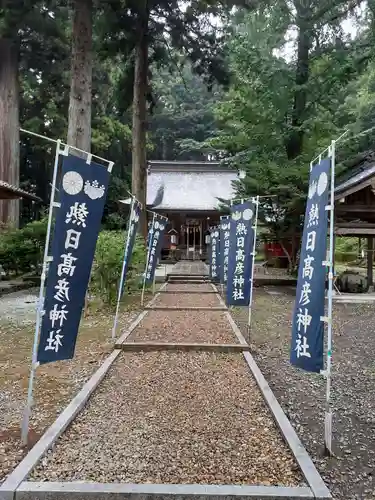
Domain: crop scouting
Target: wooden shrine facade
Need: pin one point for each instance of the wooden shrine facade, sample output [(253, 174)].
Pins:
[(9, 192), (188, 193), (355, 207)]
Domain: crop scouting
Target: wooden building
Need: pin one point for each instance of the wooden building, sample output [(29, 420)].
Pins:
[(188, 193), (9, 192), (355, 207)]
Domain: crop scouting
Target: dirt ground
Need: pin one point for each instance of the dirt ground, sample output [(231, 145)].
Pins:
[(350, 474), (56, 383)]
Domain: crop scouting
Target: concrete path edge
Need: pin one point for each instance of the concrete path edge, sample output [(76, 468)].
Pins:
[(303, 459), (23, 469), (116, 491), (16, 488)]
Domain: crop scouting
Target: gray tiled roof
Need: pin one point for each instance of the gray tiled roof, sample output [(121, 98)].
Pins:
[(16, 191), (356, 179), (361, 168), (191, 189)]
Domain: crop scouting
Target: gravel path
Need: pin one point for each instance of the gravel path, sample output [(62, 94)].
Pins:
[(174, 418), (203, 287), (19, 307), (55, 383), (184, 326), (188, 300), (350, 476)]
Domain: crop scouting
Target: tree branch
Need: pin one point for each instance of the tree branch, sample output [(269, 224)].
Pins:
[(338, 15)]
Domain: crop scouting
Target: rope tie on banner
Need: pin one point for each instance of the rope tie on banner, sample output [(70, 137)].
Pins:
[(65, 152), (134, 198), (253, 199), (156, 214)]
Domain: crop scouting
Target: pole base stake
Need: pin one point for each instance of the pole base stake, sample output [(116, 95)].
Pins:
[(328, 434), (329, 453)]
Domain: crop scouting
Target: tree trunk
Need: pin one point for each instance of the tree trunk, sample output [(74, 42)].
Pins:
[(9, 128), (295, 142), (79, 128), (139, 155), (288, 256)]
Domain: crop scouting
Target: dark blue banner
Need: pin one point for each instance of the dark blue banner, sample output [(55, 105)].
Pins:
[(240, 265), (155, 243), (149, 234), (224, 249), (83, 192), (308, 329), (214, 257), (131, 237)]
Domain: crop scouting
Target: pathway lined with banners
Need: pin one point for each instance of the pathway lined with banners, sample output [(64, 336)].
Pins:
[(182, 404)]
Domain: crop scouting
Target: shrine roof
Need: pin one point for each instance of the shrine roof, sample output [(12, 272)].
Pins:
[(9, 192), (189, 185), (358, 175)]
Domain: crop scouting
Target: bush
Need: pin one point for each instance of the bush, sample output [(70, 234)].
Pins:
[(346, 249), (21, 250), (106, 270)]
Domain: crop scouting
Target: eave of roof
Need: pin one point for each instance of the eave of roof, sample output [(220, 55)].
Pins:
[(358, 175), (188, 166), (9, 192), (190, 189)]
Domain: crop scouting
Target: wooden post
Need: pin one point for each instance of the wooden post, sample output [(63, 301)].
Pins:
[(370, 262), (9, 128), (201, 240)]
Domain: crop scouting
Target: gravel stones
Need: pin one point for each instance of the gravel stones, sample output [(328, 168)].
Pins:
[(55, 383), (167, 417), (184, 326), (187, 300), (201, 287), (349, 475)]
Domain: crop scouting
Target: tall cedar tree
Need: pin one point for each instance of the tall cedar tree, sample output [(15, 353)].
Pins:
[(79, 126)]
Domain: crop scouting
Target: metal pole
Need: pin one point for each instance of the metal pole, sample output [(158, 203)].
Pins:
[(39, 312), (50, 139), (126, 257), (148, 257), (153, 281), (252, 267), (328, 412), (201, 239)]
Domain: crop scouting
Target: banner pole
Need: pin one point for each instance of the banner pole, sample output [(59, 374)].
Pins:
[(123, 271), (221, 260), (153, 281), (39, 312), (328, 412), (253, 267), (147, 259)]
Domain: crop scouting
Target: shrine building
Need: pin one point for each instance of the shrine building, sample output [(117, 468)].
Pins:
[(188, 193), (355, 206)]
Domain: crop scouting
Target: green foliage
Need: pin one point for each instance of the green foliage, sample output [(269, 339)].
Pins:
[(346, 249), (118, 189), (285, 103), (21, 251), (266, 120), (114, 222), (106, 270), (183, 116)]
